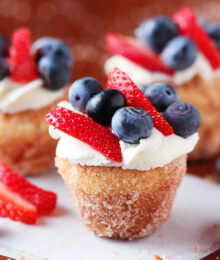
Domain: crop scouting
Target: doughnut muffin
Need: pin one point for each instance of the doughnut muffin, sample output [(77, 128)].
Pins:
[(120, 158), (183, 51), (32, 80)]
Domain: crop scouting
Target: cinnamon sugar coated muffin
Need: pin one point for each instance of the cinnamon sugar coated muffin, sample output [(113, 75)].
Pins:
[(120, 158)]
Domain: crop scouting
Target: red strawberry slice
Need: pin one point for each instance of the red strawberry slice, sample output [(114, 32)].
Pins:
[(137, 52), (22, 65), (189, 26), (14, 207), (134, 97), (86, 130), (44, 201)]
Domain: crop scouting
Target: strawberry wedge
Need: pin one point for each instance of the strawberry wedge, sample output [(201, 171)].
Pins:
[(137, 52), (134, 97), (86, 130), (189, 26)]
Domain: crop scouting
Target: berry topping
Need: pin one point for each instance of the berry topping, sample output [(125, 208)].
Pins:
[(137, 52), (52, 46), (54, 72), (161, 95), (156, 32), (180, 53), (143, 89), (184, 118), (44, 201), (189, 26), (82, 90), (22, 65), (4, 46), (102, 106), (131, 124), (86, 130), (214, 32), (4, 69), (134, 97)]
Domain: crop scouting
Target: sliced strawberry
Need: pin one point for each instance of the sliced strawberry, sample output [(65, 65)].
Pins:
[(86, 130), (14, 207), (136, 51), (189, 26), (134, 97), (44, 201), (22, 65)]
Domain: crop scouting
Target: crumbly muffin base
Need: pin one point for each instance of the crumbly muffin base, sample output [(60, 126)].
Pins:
[(125, 204)]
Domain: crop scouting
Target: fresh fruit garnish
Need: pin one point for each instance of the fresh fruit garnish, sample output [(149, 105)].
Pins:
[(14, 207), (131, 124), (213, 31), (44, 201), (179, 53), (4, 68), (52, 46), (136, 51), (81, 91), (86, 130), (134, 97), (143, 88), (22, 65), (189, 26), (103, 105), (54, 71), (4, 46), (157, 32), (161, 95), (184, 118)]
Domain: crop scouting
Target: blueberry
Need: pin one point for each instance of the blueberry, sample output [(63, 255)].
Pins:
[(161, 95), (183, 117), (130, 124), (82, 90), (179, 53), (54, 72), (157, 32), (4, 46), (218, 167), (4, 68), (214, 32), (143, 88), (103, 105), (52, 46), (204, 24)]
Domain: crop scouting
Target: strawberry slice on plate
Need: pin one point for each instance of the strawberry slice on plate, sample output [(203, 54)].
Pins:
[(44, 201), (86, 130), (189, 26), (137, 52), (134, 97), (21, 63)]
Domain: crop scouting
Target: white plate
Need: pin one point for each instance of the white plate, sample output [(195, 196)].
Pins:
[(61, 236)]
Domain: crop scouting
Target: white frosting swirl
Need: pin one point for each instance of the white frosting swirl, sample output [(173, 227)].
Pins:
[(17, 97), (143, 76), (152, 152)]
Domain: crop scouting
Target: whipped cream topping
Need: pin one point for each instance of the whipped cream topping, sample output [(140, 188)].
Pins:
[(155, 151), (17, 97), (142, 76)]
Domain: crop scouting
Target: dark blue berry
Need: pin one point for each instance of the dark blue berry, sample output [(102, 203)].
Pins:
[(161, 95), (179, 53), (218, 167), (183, 117), (204, 24), (82, 90), (52, 46), (54, 72), (157, 32), (103, 105), (4, 46), (4, 68), (131, 124), (143, 88), (214, 32)]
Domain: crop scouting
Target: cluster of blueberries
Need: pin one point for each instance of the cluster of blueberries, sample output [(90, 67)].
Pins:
[(177, 52), (53, 59), (130, 124)]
